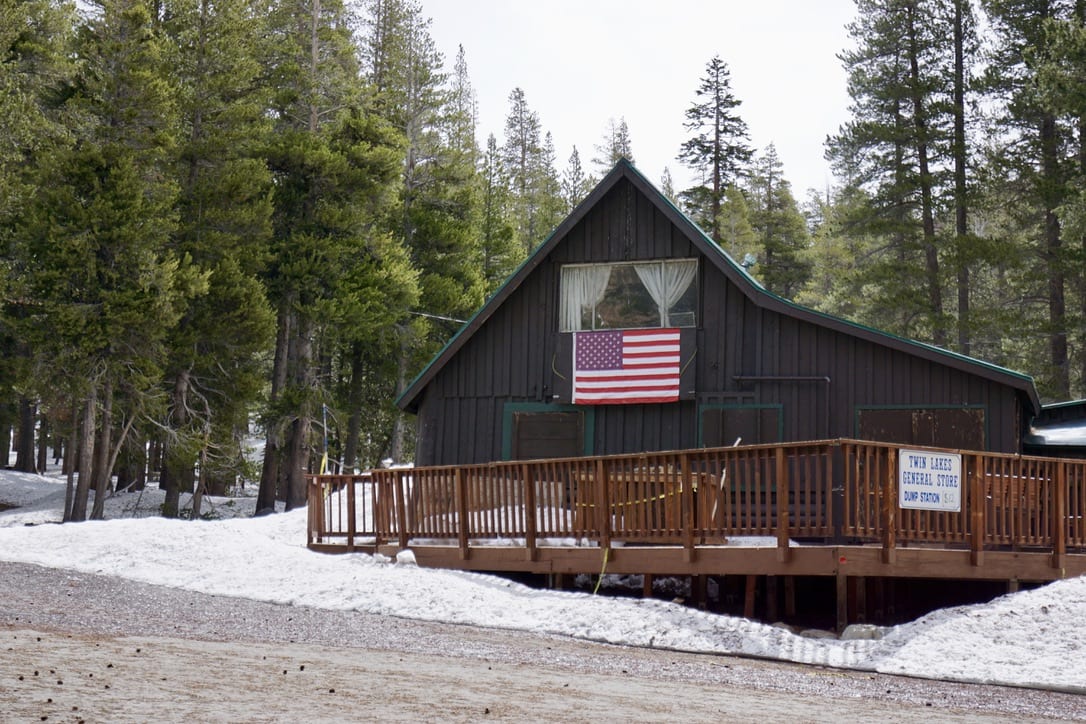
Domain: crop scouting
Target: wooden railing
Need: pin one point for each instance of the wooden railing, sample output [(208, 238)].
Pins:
[(841, 491)]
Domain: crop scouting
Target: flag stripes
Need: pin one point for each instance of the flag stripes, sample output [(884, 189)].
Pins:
[(626, 366)]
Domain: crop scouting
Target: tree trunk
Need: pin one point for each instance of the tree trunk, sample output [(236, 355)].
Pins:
[(7, 414), (43, 446), (301, 376), (70, 465), (24, 452), (927, 212), (961, 222), (103, 469), (1057, 311), (86, 455), (273, 440), (198, 494), (177, 468)]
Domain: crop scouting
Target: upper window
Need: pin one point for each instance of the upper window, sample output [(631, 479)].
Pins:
[(629, 295)]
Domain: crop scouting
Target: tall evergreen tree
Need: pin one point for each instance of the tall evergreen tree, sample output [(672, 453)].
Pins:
[(439, 205), (615, 144), (520, 153), (779, 227), (107, 284), (717, 149), (36, 63), (1031, 159), (500, 251), (214, 372), (1061, 80), (575, 185), (897, 148), (334, 163)]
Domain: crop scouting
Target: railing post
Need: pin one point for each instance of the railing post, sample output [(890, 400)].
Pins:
[(311, 513), (401, 508), (690, 552), (784, 489), (530, 513), (1059, 519), (603, 505), (461, 493), (978, 510), (889, 508), (351, 528)]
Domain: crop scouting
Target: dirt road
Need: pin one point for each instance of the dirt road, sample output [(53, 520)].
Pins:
[(90, 648)]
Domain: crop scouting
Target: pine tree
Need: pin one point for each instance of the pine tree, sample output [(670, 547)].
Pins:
[(616, 144), (737, 233), (547, 190), (1031, 160), (439, 204), (520, 153), (667, 186), (575, 185), (717, 149), (334, 267), (500, 251), (779, 227), (36, 40), (215, 368), (1061, 81), (107, 284), (897, 147)]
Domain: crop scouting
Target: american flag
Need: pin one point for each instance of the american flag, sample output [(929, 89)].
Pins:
[(626, 366)]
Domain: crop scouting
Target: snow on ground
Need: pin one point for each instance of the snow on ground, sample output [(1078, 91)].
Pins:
[(1033, 638)]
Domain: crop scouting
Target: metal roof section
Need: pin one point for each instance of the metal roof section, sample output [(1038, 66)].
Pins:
[(761, 296)]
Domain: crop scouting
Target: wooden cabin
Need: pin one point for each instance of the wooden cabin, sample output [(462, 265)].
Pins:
[(549, 367), (585, 420)]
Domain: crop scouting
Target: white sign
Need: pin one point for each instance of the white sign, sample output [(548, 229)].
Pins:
[(929, 480)]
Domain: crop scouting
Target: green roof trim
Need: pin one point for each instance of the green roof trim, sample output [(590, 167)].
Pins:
[(754, 289)]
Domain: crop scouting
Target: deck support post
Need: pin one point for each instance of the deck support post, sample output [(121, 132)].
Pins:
[(789, 596), (889, 509), (749, 598), (530, 512), (646, 586), (772, 609), (977, 506), (690, 551), (401, 509), (861, 599), (842, 600), (351, 527), (314, 519), (460, 490), (603, 505), (1059, 519), (784, 490)]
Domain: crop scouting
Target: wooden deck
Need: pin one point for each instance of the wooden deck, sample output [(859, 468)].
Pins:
[(826, 508)]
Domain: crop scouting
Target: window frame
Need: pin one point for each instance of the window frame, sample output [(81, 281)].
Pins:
[(663, 315)]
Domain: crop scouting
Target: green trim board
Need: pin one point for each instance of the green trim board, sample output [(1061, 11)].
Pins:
[(740, 406), (857, 409), (509, 408)]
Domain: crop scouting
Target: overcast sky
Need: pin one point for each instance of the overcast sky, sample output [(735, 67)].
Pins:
[(581, 62)]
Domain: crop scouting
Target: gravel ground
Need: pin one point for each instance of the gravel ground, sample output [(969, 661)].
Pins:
[(79, 647)]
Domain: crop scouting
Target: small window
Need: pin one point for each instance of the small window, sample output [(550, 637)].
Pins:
[(629, 295)]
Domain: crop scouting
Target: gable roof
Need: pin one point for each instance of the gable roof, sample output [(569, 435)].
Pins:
[(737, 275)]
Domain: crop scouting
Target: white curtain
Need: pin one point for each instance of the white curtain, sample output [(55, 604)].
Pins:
[(582, 286), (667, 282)]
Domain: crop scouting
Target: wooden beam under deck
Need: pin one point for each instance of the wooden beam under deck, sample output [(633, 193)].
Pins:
[(846, 561)]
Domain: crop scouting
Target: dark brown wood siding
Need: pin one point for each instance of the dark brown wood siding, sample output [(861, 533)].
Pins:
[(747, 354)]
